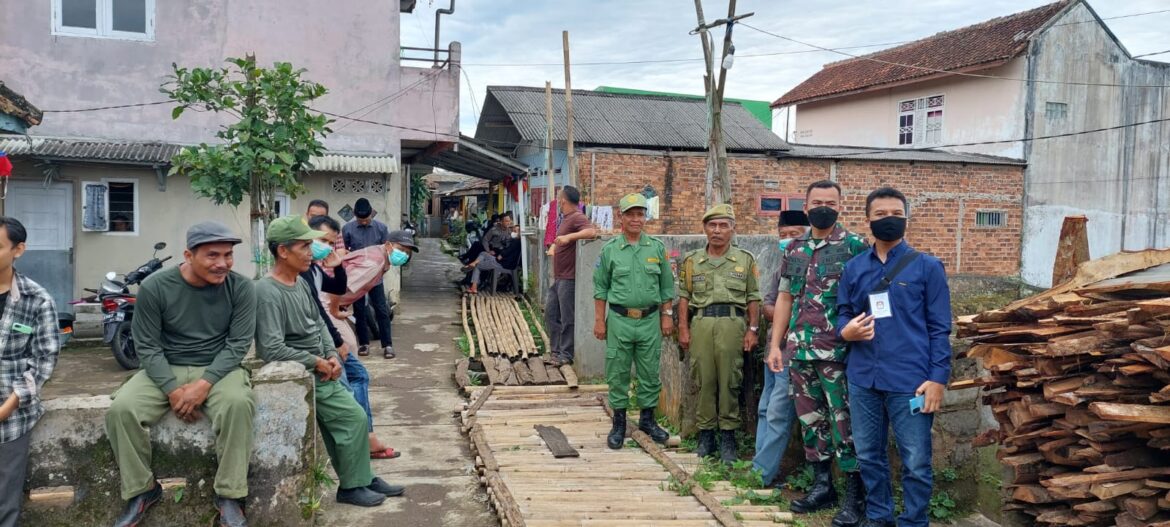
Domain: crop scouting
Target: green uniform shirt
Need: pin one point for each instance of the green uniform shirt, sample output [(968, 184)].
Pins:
[(634, 275), (810, 272), (176, 323), (289, 325), (732, 279)]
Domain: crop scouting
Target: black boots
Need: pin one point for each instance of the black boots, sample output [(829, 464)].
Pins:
[(822, 495), (646, 423), (617, 434), (853, 509), (727, 452), (136, 508), (706, 443)]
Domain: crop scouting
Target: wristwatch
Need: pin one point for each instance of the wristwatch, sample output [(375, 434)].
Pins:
[(668, 312), (754, 329)]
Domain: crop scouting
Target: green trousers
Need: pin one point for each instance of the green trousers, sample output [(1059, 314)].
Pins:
[(345, 430), (140, 403), (717, 370), (637, 341)]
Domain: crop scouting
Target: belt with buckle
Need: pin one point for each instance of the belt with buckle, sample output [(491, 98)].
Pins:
[(722, 310), (630, 312)]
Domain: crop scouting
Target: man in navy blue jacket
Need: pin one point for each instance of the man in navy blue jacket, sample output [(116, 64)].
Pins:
[(894, 307)]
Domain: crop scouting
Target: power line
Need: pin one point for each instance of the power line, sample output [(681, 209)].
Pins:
[(388, 125), (117, 107), (1149, 54), (661, 61), (948, 72)]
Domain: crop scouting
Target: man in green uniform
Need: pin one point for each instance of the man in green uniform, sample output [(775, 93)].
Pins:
[(633, 276), (193, 323), (718, 286), (289, 328)]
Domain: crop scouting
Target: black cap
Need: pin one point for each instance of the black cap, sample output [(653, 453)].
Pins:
[(793, 218), (402, 238), (210, 232), (362, 208)]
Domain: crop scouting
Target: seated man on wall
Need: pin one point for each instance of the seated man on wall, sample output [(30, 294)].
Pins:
[(193, 323), (289, 327), (507, 260)]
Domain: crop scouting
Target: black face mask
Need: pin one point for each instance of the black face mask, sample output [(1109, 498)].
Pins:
[(822, 217), (888, 229)]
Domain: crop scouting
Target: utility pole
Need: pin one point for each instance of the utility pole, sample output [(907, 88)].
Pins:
[(548, 143), (572, 159), (718, 177)]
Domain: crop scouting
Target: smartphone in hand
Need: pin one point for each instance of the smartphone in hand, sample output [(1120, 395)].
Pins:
[(916, 404)]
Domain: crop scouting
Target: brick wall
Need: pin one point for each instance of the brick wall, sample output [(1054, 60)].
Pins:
[(944, 198)]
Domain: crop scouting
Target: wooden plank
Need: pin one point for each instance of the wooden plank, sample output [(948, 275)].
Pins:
[(479, 401), (508, 508), (489, 367), (1131, 412), (462, 378), (570, 376), (554, 374), (557, 443), (1077, 479), (536, 366), (1107, 491), (523, 374), (483, 449)]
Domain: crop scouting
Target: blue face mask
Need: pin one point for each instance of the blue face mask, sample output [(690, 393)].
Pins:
[(784, 244), (320, 249), (398, 258)]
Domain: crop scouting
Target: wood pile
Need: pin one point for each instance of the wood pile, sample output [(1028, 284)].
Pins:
[(1079, 382), (501, 343)]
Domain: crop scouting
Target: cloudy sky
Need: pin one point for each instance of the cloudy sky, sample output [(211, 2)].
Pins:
[(518, 42)]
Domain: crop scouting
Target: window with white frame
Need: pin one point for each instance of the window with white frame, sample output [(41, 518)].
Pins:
[(920, 121), (110, 206), (123, 19)]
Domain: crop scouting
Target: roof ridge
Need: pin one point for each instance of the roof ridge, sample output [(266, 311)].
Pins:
[(592, 93)]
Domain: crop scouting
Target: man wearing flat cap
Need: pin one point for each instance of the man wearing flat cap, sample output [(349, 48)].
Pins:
[(193, 323), (719, 301), (633, 279), (289, 327)]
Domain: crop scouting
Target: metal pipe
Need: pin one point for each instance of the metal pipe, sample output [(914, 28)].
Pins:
[(439, 12)]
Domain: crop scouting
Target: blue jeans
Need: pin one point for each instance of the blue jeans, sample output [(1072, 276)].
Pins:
[(774, 424), (357, 381), (873, 412)]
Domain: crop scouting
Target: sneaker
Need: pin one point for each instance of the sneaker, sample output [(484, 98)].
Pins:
[(231, 512), (360, 496), (136, 508), (385, 489)]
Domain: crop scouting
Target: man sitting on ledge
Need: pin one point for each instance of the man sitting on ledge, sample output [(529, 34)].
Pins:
[(289, 327), (193, 324)]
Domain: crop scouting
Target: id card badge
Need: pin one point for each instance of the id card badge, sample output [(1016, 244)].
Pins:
[(879, 305)]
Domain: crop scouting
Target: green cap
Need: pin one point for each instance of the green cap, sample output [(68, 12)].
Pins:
[(722, 210), (290, 228), (630, 201)]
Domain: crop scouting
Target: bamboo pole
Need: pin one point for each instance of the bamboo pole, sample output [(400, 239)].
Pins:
[(539, 326), (479, 330), (467, 331), (479, 401), (506, 504)]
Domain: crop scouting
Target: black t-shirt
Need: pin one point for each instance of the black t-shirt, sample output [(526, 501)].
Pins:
[(3, 303)]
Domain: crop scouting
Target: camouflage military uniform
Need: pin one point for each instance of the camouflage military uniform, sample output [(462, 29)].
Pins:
[(716, 357), (811, 270)]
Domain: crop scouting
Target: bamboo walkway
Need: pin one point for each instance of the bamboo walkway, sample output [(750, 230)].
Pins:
[(501, 345), (530, 486)]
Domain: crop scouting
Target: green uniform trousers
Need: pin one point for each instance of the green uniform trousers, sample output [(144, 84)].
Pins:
[(140, 403), (820, 394), (638, 341), (717, 370), (346, 434)]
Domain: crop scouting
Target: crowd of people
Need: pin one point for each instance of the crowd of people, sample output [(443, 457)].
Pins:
[(858, 341)]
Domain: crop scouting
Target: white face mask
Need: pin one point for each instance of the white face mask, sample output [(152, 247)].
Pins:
[(515, 235)]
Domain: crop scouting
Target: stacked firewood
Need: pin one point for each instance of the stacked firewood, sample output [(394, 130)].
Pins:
[(1079, 381)]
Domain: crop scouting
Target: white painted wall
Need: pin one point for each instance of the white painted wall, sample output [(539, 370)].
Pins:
[(1119, 179), (975, 110)]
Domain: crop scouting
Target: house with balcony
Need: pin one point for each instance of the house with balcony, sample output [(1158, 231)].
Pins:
[(1051, 86), (92, 175)]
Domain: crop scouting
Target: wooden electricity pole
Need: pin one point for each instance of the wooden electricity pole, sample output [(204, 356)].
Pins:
[(718, 182), (548, 143), (571, 160)]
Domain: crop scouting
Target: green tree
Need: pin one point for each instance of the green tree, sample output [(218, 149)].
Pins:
[(265, 147)]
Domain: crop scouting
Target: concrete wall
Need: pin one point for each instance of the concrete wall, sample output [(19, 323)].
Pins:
[(1120, 179), (974, 110), (166, 215), (69, 447)]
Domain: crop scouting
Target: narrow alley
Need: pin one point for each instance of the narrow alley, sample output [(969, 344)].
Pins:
[(413, 397)]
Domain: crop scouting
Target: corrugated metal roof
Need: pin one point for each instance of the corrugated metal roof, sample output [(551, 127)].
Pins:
[(621, 120), (161, 153), (893, 154)]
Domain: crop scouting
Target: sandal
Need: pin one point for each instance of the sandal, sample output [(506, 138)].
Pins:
[(389, 453)]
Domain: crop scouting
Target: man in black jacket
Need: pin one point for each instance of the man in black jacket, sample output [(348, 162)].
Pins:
[(506, 259)]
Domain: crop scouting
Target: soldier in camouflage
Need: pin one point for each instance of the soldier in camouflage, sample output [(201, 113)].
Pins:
[(807, 306)]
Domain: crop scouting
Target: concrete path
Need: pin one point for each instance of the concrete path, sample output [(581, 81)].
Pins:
[(413, 397)]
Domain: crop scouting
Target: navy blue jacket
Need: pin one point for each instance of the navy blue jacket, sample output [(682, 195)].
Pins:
[(912, 346)]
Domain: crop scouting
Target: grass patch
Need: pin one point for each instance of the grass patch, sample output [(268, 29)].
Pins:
[(528, 318), (464, 345), (318, 483)]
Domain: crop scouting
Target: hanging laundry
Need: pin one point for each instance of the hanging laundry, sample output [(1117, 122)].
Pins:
[(602, 217)]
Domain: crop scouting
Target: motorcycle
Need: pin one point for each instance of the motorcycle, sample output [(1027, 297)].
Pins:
[(118, 308), (410, 227)]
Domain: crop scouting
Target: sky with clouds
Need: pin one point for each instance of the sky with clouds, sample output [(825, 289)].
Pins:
[(518, 42)]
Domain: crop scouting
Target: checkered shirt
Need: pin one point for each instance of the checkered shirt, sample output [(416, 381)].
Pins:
[(28, 353)]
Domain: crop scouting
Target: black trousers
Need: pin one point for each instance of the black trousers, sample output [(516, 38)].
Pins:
[(377, 296), (12, 473)]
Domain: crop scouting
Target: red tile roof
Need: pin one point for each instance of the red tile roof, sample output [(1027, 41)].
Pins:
[(990, 43)]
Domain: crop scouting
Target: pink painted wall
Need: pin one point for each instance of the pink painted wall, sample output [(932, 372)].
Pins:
[(975, 110)]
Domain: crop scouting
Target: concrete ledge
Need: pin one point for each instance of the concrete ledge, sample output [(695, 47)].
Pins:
[(70, 448)]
